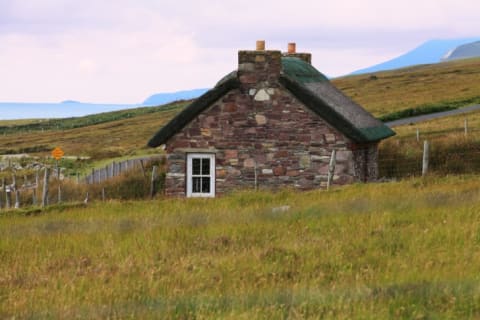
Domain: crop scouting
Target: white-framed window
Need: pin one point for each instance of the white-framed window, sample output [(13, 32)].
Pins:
[(200, 175)]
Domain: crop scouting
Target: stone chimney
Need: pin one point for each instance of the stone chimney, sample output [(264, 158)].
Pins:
[(292, 52), (260, 67)]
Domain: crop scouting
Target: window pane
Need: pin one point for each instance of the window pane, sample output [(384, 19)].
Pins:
[(196, 166), (205, 185), (205, 166), (196, 185)]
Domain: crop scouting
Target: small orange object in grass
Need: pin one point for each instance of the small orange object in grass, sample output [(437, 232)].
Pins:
[(57, 153)]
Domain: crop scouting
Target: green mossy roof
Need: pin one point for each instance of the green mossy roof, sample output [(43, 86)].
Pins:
[(309, 86), (301, 71)]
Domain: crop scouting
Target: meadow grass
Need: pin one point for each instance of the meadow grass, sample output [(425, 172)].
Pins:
[(451, 151), (433, 86), (404, 250), (102, 140)]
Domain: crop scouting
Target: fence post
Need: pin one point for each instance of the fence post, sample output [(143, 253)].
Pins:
[(143, 169), (331, 168), (152, 182), (418, 135), (17, 198), (255, 174), (4, 192), (59, 194), (426, 149), (34, 196), (14, 182), (103, 194), (37, 179), (466, 127), (8, 199), (45, 187)]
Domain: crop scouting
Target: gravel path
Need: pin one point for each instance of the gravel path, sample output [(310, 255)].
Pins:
[(430, 116)]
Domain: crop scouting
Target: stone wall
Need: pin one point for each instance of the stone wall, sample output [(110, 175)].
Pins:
[(365, 157), (262, 136)]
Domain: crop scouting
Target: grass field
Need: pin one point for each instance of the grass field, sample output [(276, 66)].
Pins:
[(451, 151), (407, 250), (110, 139), (455, 83)]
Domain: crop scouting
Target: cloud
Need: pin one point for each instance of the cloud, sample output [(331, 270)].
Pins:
[(125, 50)]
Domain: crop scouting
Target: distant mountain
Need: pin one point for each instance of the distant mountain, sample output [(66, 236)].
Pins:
[(469, 50), (429, 52), (70, 102), (163, 98)]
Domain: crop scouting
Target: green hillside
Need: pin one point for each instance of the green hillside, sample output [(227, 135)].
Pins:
[(449, 84), (122, 133)]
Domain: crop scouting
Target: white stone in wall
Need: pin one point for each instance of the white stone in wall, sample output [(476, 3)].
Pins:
[(262, 95)]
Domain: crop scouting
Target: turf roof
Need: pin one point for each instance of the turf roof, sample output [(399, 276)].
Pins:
[(309, 86)]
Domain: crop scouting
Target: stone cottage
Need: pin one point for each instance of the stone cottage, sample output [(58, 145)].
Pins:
[(273, 122)]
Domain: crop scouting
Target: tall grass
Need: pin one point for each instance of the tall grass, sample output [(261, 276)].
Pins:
[(398, 250), (451, 151)]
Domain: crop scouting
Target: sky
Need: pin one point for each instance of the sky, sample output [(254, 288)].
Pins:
[(122, 51)]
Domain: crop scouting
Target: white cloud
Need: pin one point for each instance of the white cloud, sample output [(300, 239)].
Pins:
[(125, 50)]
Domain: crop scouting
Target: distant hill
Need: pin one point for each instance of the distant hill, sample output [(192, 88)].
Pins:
[(70, 102), (469, 50), (127, 132), (163, 98), (429, 52)]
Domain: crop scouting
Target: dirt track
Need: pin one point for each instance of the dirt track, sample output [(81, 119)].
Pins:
[(430, 116)]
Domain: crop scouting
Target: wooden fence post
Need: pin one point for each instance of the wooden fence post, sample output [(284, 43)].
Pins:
[(34, 196), (37, 179), (45, 187), (17, 198), (14, 182), (3, 194), (103, 194), (418, 135), (255, 174), (426, 149), (143, 168), (8, 197), (59, 194), (152, 182), (331, 168)]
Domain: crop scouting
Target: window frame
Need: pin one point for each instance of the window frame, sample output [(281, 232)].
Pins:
[(190, 175)]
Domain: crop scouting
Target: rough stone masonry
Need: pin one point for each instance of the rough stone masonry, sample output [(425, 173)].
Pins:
[(262, 135)]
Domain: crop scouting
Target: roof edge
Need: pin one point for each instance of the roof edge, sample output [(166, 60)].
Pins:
[(192, 110), (321, 108)]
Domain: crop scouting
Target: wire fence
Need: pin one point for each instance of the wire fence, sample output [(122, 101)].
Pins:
[(131, 179), (451, 151)]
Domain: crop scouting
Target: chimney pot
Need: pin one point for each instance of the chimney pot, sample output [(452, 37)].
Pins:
[(260, 45), (292, 47)]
